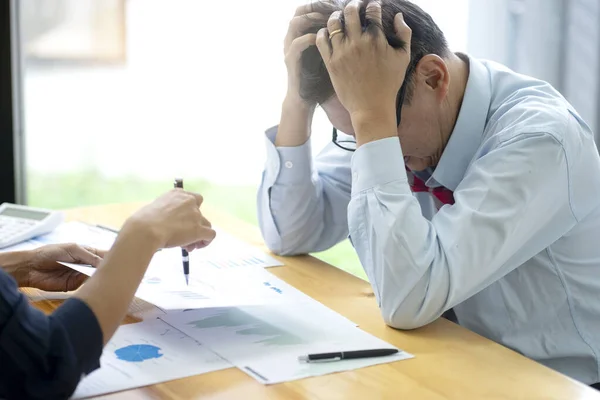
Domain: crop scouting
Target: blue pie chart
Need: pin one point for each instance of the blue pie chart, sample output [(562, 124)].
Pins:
[(138, 352)]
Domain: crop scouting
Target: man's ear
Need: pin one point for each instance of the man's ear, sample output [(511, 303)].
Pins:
[(433, 72)]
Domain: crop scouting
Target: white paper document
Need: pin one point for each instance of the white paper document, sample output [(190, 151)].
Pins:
[(266, 341), (71, 232), (144, 354), (217, 289), (227, 252), (80, 233), (164, 285)]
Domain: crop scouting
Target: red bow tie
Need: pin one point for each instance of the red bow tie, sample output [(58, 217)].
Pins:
[(446, 196)]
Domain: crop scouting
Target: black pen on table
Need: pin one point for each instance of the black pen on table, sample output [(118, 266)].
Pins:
[(107, 228), (184, 254), (111, 230), (347, 355)]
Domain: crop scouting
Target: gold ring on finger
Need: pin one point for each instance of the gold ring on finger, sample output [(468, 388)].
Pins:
[(332, 34)]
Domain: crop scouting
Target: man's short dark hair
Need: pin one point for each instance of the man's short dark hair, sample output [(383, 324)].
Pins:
[(427, 38)]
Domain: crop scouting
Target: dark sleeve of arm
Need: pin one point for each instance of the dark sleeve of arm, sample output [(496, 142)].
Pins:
[(44, 357)]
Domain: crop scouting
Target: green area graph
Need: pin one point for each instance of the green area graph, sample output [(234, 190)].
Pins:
[(246, 324)]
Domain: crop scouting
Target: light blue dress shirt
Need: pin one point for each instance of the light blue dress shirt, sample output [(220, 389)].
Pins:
[(517, 256)]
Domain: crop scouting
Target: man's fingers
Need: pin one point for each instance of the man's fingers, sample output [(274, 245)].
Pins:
[(335, 28), (373, 17), (403, 31), (323, 45), (298, 25), (352, 19), (304, 9), (302, 43)]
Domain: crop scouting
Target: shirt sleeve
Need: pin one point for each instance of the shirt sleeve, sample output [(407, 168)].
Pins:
[(44, 357), (302, 206), (512, 203)]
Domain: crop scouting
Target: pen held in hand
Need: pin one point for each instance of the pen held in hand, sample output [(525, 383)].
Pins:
[(185, 257)]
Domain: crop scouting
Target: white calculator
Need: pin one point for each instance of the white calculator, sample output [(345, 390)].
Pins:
[(21, 223)]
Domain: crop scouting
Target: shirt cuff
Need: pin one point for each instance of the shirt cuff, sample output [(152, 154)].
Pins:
[(84, 332), (378, 163), (286, 165)]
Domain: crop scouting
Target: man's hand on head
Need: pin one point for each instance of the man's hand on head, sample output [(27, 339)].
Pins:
[(365, 70)]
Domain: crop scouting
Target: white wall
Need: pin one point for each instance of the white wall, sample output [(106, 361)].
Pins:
[(200, 86)]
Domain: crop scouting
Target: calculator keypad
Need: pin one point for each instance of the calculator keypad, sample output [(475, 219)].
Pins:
[(10, 226)]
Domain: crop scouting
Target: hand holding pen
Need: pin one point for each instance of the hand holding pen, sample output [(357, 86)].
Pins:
[(178, 184)]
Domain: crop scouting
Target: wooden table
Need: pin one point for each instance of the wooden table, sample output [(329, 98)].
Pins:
[(451, 362)]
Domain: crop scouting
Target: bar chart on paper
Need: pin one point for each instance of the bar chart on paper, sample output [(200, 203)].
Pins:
[(237, 262), (265, 341), (249, 329), (244, 333), (147, 353), (227, 252)]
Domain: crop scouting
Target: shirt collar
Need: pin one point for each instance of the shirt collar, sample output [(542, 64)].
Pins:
[(466, 136)]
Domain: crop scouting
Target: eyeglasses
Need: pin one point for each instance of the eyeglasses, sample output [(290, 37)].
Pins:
[(350, 145)]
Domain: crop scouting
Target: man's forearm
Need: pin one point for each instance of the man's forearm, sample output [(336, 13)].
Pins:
[(374, 125), (296, 120)]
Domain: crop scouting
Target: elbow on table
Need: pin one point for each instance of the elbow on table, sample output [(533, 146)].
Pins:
[(405, 324), (404, 317), (275, 242), (275, 245), (287, 252)]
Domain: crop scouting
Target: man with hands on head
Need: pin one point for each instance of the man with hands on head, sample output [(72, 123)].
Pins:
[(466, 186), (43, 357)]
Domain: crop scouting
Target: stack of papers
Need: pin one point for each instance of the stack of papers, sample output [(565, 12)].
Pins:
[(164, 285), (233, 313), (266, 341)]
